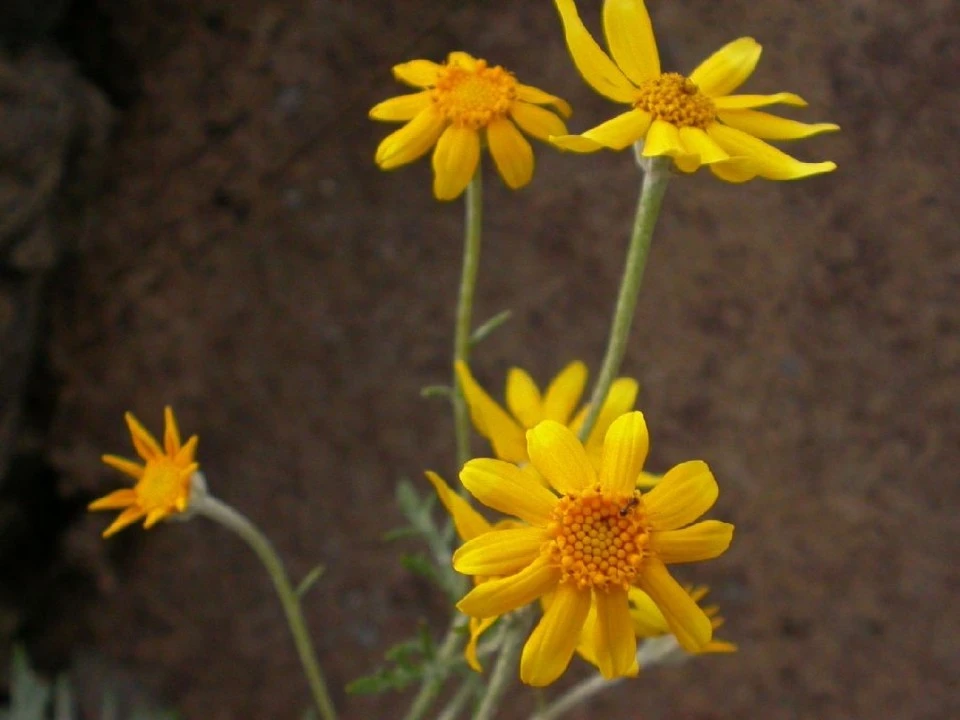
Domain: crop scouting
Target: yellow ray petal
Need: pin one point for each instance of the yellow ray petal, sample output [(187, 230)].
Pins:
[(718, 646), (616, 644), (188, 451), (455, 161), (534, 95), (171, 433), (768, 162), (564, 391), (770, 127), (145, 444), (685, 493), (596, 68), (523, 398), (662, 138), (702, 541), (418, 73), (745, 102), (492, 421), (127, 517), (500, 552), (511, 153), (115, 500), (537, 121), (496, 597), (624, 452), (477, 628), (684, 617), (411, 141), (128, 467), (697, 142), (155, 516), (575, 143), (468, 522), (620, 400), (400, 108), (630, 37), (550, 646), (557, 455), (648, 621), (735, 171), (621, 131), (506, 488), (462, 59), (728, 68)]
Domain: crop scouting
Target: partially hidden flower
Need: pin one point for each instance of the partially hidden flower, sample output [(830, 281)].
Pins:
[(459, 104), (590, 539), (527, 406), (693, 119), (163, 479)]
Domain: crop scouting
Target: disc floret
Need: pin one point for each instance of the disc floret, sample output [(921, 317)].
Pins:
[(474, 97)]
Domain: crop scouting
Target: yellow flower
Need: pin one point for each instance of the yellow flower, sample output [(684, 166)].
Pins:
[(456, 102), (163, 481), (588, 542), (694, 119)]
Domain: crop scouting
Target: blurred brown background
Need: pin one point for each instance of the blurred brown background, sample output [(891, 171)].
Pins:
[(191, 215)]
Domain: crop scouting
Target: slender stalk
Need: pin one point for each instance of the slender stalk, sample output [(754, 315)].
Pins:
[(460, 699), (505, 670), (468, 282), (229, 518), (433, 681), (655, 177)]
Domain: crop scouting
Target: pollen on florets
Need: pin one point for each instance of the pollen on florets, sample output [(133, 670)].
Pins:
[(675, 99), (599, 540), (474, 97)]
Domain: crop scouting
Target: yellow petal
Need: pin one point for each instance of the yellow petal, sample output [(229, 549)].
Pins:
[(187, 452), (145, 444), (663, 138), (128, 467), (506, 488), (500, 552), (127, 517), (770, 127), (418, 73), (728, 68), (462, 59), (686, 620), (523, 398), (530, 94), (768, 162), (616, 644), (400, 108), (702, 541), (171, 433), (624, 452), (492, 421), (550, 646), (115, 500), (455, 161), (697, 142), (596, 68), (685, 493), (620, 400), (155, 516), (735, 171), (575, 143), (468, 522), (477, 628), (537, 121), (630, 37), (718, 646), (511, 153), (557, 455), (648, 480), (496, 597), (648, 621), (564, 392), (745, 102), (621, 131), (411, 141)]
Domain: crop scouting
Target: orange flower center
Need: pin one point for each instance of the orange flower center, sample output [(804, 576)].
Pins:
[(599, 540), (675, 99), (161, 485), (474, 97)]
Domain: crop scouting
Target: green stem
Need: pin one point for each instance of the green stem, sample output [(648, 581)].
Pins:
[(433, 681), (505, 670), (468, 282), (229, 518), (655, 177), (460, 699)]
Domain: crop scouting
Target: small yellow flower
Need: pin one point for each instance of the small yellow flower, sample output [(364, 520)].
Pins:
[(457, 102), (694, 119), (588, 541), (163, 481)]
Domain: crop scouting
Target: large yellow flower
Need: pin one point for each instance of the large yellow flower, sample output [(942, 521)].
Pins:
[(694, 119), (588, 542), (163, 480), (457, 102)]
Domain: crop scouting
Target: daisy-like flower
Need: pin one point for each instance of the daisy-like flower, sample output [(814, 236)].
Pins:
[(163, 479), (528, 406), (694, 119), (588, 541), (457, 103)]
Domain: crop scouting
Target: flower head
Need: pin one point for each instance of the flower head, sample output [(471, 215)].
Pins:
[(163, 479), (587, 541), (457, 102), (693, 119)]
